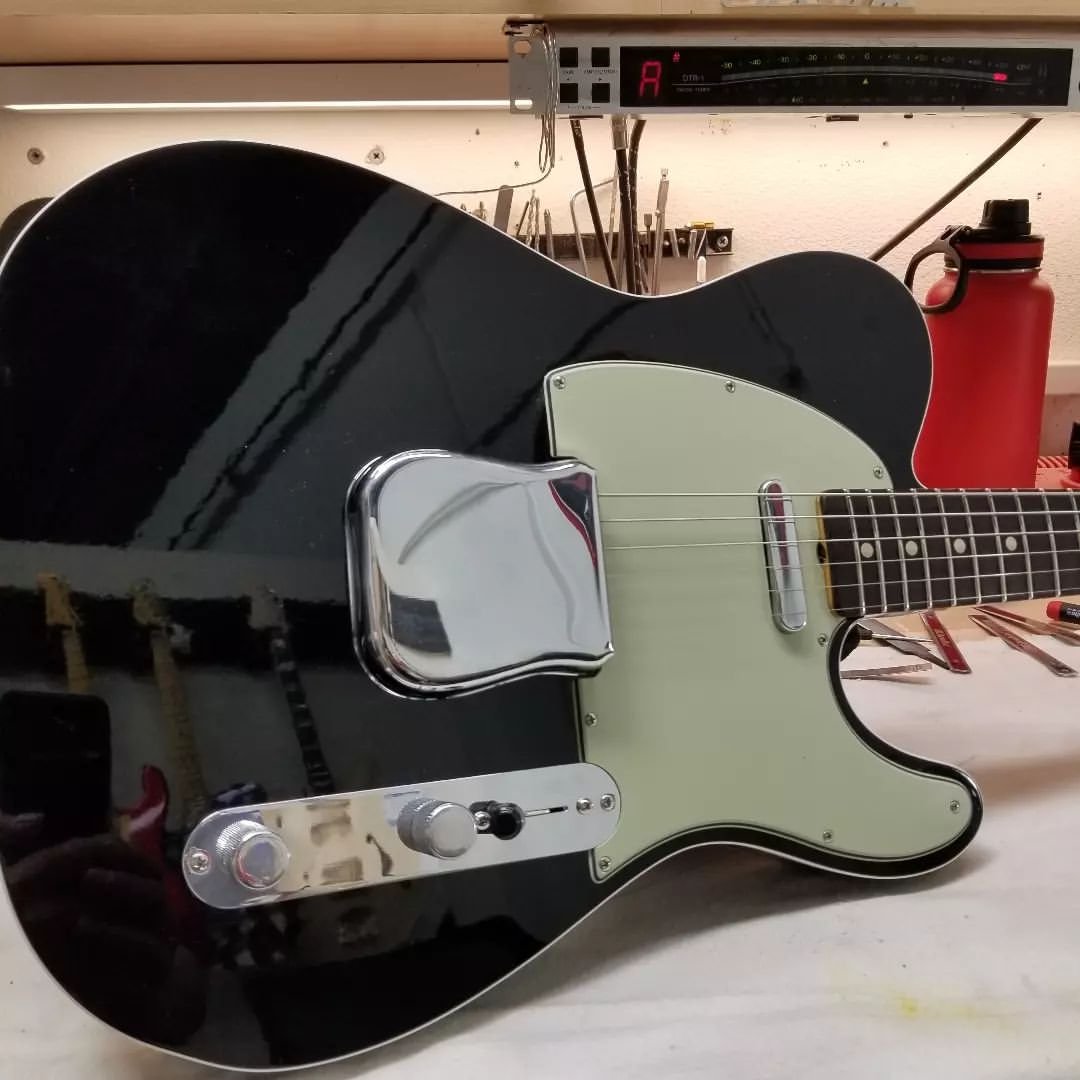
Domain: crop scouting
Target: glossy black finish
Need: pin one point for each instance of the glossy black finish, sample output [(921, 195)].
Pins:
[(199, 347)]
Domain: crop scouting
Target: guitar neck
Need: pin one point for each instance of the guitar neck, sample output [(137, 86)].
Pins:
[(183, 750), (307, 736), (75, 667), (892, 552)]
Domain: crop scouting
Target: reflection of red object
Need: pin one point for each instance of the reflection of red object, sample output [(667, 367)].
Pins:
[(651, 70), (1000, 76), (676, 57), (143, 827)]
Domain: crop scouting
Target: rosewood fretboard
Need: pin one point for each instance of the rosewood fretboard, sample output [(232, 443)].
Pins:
[(910, 550)]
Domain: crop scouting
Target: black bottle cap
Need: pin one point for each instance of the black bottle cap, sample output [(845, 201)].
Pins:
[(1004, 221), (1010, 219)]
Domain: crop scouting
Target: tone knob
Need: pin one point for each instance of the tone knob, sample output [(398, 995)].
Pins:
[(433, 827), (256, 857)]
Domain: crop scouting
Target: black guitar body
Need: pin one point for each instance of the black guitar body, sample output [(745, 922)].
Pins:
[(199, 348)]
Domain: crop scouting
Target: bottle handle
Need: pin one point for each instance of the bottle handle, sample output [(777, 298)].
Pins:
[(944, 245)]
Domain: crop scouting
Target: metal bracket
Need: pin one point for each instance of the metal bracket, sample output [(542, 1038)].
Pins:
[(305, 847)]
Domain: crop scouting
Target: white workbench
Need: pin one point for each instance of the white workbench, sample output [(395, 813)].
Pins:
[(723, 963)]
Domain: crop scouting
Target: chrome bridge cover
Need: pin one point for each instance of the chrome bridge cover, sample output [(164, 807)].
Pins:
[(465, 573)]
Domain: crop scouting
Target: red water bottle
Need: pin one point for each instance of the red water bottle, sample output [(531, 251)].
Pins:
[(989, 319)]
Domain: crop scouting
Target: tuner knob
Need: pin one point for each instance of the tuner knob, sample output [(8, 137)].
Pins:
[(256, 857), (433, 827)]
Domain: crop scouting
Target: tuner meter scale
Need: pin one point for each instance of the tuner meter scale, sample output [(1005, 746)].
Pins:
[(601, 73)]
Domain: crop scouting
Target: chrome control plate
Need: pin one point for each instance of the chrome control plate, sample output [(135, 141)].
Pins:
[(465, 573), (334, 843)]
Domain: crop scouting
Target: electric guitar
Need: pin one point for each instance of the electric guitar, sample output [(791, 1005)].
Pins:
[(582, 565), (143, 824)]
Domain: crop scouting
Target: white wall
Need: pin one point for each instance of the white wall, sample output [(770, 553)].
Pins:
[(784, 184)]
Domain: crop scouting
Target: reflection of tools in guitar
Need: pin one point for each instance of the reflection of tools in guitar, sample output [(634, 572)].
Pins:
[(901, 642), (1032, 626), (886, 673), (954, 658), (1015, 641)]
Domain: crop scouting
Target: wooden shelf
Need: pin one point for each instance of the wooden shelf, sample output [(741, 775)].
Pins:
[(149, 31)]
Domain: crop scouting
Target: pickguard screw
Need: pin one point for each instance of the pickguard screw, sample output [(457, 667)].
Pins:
[(35, 155), (558, 382), (583, 805), (954, 806), (375, 156), (198, 861), (607, 802), (827, 836), (590, 719), (729, 387), (604, 863), (823, 640), (879, 472)]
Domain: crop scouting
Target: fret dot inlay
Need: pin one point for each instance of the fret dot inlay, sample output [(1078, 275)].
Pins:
[(1010, 543), (867, 551), (912, 547), (960, 545)]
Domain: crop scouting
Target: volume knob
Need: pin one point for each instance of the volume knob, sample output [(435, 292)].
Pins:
[(433, 827), (256, 857)]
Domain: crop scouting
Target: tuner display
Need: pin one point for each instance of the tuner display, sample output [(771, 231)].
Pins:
[(740, 77)]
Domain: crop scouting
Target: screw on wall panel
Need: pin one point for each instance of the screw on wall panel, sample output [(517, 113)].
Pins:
[(482, 820), (198, 861), (604, 863), (827, 836), (879, 472), (583, 805), (590, 719), (558, 382), (607, 802), (954, 806), (823, 640), (35, 155), (375, 156), (729, 387)]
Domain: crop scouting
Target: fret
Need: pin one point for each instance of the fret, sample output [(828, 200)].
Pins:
[(1066, 524), (889, 556), (1053, 545), (991, 503), (992, 584), (974, 548), (901, 551), (927, 581), (1040, 550), (937, 567), (964, 563), (839, 553), (1024, 542), (857, 553), (1010, 531), (1072, 531), (946, 549)]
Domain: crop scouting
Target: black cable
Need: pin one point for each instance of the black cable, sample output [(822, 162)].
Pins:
[(635, 140), (983, 167), (626, 228), (590, 198)]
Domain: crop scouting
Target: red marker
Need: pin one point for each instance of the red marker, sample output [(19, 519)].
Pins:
[(1063, 612)]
